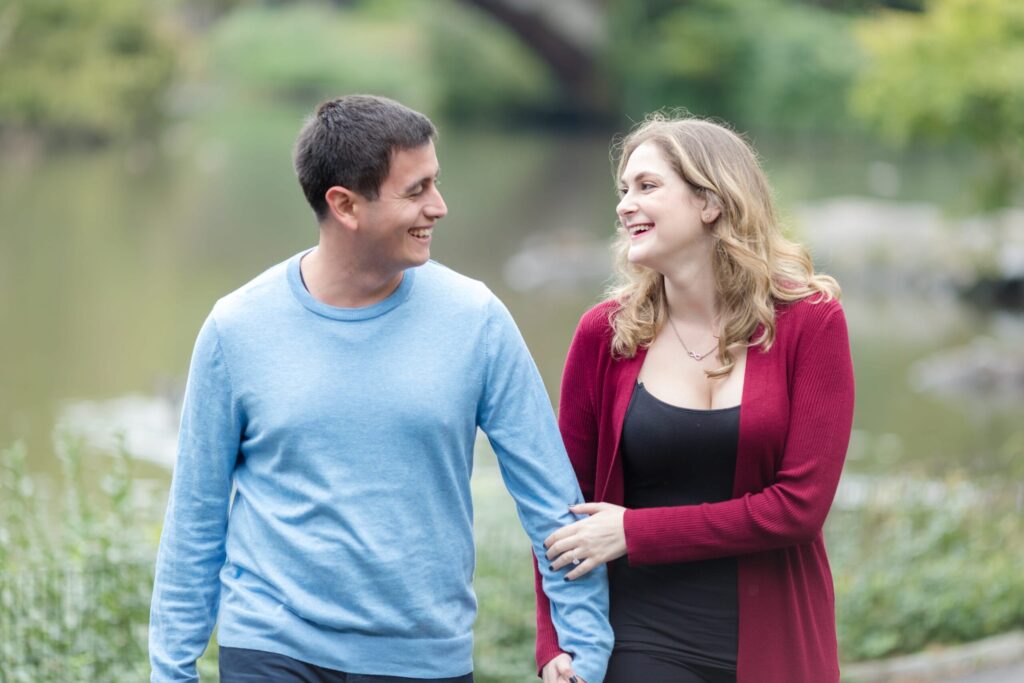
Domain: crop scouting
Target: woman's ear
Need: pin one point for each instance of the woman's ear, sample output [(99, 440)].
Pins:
[(342, 203), (712, 209)]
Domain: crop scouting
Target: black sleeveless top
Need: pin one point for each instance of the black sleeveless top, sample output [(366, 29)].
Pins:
[(683, 612)]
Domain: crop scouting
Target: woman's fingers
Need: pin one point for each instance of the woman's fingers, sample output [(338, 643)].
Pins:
[(558, 670), (562, 546), (572, 556), (582, 569), (587, 508), (561, 534)]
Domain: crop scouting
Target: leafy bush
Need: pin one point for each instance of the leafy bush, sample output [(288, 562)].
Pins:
[(92, 69), (922, 575)]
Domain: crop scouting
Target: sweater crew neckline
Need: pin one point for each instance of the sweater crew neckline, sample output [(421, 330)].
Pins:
[(388, 303)]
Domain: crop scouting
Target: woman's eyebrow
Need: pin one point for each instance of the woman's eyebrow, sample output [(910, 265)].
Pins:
[(640, 175)]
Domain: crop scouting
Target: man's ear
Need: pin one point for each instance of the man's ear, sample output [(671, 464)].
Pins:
[(343, 205)]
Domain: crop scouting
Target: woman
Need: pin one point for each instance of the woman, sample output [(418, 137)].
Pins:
[(706, 406)]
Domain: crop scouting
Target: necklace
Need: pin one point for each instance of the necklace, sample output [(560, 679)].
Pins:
[(696, 356)]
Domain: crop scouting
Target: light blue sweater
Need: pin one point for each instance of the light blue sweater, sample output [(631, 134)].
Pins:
[(348, 435)]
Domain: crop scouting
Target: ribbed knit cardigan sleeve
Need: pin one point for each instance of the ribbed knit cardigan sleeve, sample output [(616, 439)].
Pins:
[(577, 420), (791, 510)]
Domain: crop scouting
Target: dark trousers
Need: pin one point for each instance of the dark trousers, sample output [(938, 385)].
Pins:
[(238, 665)]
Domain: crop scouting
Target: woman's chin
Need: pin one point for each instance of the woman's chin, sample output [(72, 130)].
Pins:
[(638, 257)]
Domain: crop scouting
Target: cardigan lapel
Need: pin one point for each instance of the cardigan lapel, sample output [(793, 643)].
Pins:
[(748, 477), (626, 372)]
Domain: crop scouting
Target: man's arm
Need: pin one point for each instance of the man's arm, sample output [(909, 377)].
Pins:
[(516, 415), (187, 586)]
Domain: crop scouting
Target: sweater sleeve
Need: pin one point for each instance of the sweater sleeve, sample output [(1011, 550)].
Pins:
[(578, 424), (792, 510), (516, 415), (187, 586)]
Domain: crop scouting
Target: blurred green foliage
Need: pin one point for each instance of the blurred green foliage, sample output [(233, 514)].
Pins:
[(944, 70), (74, 603), (91, 70), (771, 64), (445, 58), (914, 575), (952, 73), (306, 52), (483, 72)]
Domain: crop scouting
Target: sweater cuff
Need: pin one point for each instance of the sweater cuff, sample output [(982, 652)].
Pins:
[(641, 537), (591, 665)]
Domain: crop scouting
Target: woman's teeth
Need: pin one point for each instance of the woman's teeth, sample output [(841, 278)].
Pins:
[(421, 232), (637, 229)]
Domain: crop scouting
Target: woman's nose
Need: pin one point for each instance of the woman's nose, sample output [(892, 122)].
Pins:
[(625, 207)]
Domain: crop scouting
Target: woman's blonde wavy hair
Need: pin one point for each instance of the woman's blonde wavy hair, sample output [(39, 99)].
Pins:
[(755, 266)]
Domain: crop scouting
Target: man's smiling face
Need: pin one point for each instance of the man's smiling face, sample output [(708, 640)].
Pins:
[(396, 228)]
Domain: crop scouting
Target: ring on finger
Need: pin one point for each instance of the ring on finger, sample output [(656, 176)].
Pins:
[(575, 559)]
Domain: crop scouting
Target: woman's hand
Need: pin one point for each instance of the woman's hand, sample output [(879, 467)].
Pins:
[(589, 542), (559, 670)]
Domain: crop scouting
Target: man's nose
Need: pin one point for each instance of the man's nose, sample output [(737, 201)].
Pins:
[(436, 208)]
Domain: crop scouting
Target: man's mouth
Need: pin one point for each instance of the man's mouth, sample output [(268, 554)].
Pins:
[(421, 233), (639, 228)]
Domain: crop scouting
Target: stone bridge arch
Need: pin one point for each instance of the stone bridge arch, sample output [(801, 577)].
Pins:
[(568, 36)]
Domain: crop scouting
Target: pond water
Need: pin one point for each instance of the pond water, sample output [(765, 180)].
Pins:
[(110, 260)]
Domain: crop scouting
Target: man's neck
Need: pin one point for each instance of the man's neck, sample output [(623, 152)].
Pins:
[(334, 277)]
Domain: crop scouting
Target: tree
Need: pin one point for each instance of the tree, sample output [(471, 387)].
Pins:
[(91, 70), (954, 73)]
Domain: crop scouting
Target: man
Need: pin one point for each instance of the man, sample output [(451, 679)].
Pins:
[(320, 509)]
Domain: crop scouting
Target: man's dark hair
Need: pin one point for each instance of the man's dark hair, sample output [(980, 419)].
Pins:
[(349, 141)]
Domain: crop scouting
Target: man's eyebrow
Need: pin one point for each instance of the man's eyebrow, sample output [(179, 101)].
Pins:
[(416, 183)]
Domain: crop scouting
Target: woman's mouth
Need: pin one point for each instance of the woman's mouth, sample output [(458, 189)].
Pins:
[(639, 228), (421, 233)]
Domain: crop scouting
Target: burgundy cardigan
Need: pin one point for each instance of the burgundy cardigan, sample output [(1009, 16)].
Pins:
[(795, 419)]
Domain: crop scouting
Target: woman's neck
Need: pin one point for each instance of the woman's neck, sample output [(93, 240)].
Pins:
[(691, 295)]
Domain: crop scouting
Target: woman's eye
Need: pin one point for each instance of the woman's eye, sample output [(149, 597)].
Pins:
[(646, 186)]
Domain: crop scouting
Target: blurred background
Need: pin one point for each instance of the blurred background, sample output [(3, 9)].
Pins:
[(145, 171)]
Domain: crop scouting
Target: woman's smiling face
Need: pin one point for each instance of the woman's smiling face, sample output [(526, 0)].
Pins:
[(661, 212)]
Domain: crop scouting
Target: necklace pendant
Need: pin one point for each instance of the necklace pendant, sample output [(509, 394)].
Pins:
[(694, 355)]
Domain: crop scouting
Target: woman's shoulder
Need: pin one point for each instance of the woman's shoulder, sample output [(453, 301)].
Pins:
[(794, 319), (812, 307), (594, 332), (597, 321)]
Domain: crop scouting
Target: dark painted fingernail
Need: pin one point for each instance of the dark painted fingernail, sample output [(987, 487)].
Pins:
[(551, 567), (572, 679), (568, 578)]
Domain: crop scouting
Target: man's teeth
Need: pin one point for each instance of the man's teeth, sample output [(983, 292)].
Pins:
[(421, 232), (637, 229)]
